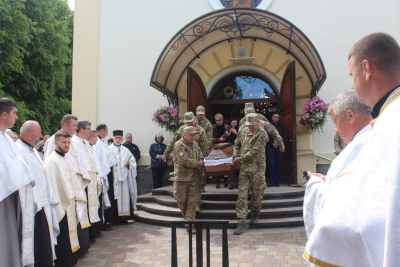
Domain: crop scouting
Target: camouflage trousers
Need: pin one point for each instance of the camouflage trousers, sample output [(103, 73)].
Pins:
[(203, 177), (185, 193), (255, 181)]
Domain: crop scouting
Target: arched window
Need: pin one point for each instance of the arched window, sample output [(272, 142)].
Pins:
[(243, 87)]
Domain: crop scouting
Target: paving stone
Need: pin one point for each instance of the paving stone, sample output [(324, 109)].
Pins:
[(140, 244)]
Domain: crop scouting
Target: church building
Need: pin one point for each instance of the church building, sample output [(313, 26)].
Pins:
[(132, 57)]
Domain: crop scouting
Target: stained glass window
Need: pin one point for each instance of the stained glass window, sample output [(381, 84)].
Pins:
[(244, 87)]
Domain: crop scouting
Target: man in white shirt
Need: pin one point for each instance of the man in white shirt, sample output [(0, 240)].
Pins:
[(16, 196), (68, 124), (351, 119), (359, 224), (46, 223), (124, 182)]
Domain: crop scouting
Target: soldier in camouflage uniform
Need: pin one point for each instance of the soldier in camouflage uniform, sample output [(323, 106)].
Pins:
[(268, 127), (201, 140), (188, 160), (249, 151), (338, 143), (251, 106), (204, 123)]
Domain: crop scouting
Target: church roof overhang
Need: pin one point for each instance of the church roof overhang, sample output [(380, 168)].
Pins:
[(233, 23)]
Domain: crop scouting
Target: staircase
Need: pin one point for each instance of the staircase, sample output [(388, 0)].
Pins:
[(281, 206)]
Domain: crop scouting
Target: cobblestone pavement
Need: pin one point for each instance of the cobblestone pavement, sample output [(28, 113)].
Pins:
[(140, 244)]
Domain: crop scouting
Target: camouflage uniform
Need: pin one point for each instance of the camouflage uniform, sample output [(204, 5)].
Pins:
[(247, 109), (206, 125), (269, 128), (202, 141), (260, 117), (186, 172), (251, 147), (338, 142)]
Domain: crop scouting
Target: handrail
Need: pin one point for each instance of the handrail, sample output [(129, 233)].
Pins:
[(313, 154), (199, 241)]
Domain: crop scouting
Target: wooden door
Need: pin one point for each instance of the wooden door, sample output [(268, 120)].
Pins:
[(196, 92), (288, 118)]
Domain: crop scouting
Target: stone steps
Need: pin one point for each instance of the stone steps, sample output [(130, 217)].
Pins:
[(144, 216), (281, 207), (155, 208)]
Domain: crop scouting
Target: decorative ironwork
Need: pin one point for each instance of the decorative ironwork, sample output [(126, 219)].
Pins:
[(248, 79), (235, 25), (242, 23), (171, 97)]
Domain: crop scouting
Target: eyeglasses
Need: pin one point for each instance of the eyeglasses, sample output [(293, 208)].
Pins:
[(219, 120)]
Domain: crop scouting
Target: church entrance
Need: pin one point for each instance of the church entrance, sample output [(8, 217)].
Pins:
[(230, 94), (232, 56)]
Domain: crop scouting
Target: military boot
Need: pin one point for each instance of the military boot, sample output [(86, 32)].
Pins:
[(254, 220), (240, 228)]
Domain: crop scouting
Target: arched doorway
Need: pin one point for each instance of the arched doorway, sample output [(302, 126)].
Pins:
[(208, 52)]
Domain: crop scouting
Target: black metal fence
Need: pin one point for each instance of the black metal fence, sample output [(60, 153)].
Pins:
[(199, 241)]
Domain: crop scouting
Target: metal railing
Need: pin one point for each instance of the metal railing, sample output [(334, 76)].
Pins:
[(313, 154), (199, 241)]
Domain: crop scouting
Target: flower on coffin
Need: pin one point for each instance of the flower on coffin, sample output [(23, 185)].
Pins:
[(314, 114)]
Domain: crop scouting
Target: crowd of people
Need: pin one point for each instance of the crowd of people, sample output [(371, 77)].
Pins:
[(56, 196), (194, 141), (59, 195)]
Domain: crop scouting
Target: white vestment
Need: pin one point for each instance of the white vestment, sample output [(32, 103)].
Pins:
[(83, 156), (49, 147), (125, 186), (43, 191), (360, 222), (15, 175), (68, 190), (75, 158), (317, 189), (102, 151)]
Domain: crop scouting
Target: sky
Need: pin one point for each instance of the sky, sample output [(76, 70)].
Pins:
[(71, 4)]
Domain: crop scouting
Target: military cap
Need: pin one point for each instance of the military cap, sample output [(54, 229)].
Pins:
[(200, 110), (189, 117), (190, 129), (248, 105), (251, 119), (118, 133), (249, 110)]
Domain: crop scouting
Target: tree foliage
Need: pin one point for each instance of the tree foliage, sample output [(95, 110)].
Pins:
[(35, 59)]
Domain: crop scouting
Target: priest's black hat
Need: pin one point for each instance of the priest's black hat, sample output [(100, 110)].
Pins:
[(118, 133)]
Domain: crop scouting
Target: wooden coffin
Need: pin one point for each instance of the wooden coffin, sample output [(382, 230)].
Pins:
[(220, 151)]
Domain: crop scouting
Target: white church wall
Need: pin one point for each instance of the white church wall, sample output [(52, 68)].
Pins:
[(333, 27), (132, 35)]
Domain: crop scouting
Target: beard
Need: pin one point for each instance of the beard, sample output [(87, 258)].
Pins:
[(60, 149)]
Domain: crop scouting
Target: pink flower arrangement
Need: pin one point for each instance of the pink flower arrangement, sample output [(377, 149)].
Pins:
[(167, 117), (314, 114)]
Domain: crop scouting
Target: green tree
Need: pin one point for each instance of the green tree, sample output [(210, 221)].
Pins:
[(37, 73)]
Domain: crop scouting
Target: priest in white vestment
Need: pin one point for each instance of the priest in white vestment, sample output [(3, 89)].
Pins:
[(16, 196), (68, 124), (359, 224), (103, 151), (72, 201), (125, 187), (46, 223)]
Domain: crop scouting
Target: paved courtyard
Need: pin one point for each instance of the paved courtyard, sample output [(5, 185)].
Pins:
[(140, 244)]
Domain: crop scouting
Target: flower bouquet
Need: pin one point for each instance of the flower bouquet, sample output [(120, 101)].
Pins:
[(314, 114), (167, 117)]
